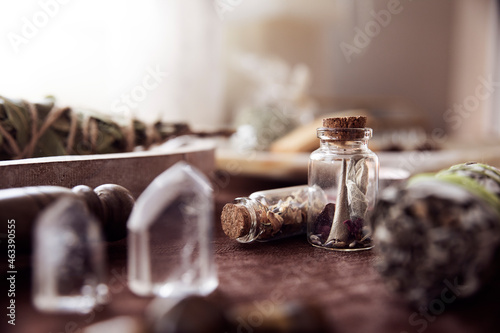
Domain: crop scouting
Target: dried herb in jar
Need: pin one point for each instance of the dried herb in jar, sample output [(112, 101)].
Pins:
[(267, 215), (346, 171)]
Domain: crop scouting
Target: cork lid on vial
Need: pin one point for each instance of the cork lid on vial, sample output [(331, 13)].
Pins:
[(235, 221), (348, 123), (345, 122)]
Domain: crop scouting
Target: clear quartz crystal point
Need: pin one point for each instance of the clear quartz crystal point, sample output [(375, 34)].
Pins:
[(69, 261), (170, 236)]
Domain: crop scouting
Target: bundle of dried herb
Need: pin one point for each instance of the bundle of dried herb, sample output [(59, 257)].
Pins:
[(438, 231), (44, 129)]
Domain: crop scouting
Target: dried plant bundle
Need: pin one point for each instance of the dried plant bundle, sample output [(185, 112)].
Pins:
[(439, 230), (45, 129)]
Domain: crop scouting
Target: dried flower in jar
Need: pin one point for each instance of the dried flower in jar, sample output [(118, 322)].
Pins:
[(346, 171)]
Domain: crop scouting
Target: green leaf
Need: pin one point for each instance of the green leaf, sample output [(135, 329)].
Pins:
[(2, 109), (19, 119), (104, 143), (50, 144), (62, 124), (472, 186), (110, 138), (112, 129), (43, 107), (7, 125)]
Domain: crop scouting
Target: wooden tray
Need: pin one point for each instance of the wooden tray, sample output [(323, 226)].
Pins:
[(132, 170)]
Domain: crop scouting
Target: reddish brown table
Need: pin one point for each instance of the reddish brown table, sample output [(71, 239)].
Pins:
[(345, 285)]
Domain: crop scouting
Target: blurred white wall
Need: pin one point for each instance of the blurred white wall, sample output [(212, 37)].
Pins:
[(409, 58), (355, 50), (156, 59), (173, 59), (472, 111), (425, 57)]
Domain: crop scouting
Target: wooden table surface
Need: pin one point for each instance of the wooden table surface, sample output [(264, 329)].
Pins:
[(351, 294)]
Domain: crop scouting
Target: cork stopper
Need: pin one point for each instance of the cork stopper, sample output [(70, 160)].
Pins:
[(346, 128), (235, 221), (345, 122)]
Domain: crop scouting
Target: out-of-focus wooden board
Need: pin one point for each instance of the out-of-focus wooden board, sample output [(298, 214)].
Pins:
[(287, 166), (134, 170)]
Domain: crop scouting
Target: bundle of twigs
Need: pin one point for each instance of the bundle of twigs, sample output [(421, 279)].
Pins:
[(44, 129)]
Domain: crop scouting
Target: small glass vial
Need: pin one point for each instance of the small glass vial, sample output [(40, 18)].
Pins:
[(267, 215), (343, 180)]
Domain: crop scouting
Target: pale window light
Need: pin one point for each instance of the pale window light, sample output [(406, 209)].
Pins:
[(150, 58)]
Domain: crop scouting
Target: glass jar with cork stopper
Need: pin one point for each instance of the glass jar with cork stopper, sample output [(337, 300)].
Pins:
[(267, 215), (343, 179)]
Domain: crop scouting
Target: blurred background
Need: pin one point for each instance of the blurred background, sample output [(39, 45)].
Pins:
[(424, 72)]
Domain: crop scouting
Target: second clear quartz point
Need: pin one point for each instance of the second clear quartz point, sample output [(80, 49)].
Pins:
[(170, 251)]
